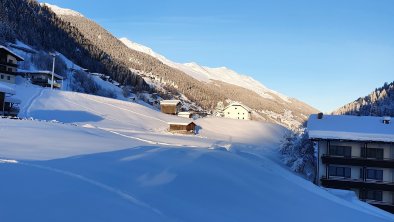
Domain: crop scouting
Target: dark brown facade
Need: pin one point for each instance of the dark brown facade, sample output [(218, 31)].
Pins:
[(183, 128)]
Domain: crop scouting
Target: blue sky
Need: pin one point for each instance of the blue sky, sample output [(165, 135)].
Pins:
[(325, 53)]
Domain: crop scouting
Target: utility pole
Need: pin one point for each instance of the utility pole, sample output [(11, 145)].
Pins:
[(53, 67)]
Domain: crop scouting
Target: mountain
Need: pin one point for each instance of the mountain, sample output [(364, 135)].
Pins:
[(206, 74), (380, 102), (196, 84), (51, 28)]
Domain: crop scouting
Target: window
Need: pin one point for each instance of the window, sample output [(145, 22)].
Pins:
[(375, 153), (235, 107), (374, 195), (340, 171), (9, 69), (228, 113), (373, 174), (345, 151), (1, 76), (8, 78)]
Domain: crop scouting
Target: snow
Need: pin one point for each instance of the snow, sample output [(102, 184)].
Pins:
[(358, 128), (12, 99), (206, 74), (89, 158), (6, 88), (170, 102), (62, 11)]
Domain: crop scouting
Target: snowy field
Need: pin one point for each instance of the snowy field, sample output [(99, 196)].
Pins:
[(110, 160)]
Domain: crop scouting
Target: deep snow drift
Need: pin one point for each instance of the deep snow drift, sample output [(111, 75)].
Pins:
[(110, 160)]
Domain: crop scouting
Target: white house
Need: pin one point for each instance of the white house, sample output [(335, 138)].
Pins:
[(237, 110), (355, 153)]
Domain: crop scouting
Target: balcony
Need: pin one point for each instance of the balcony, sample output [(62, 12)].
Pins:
[(347, 183), (8, 63), (382, 205), (358, 161)]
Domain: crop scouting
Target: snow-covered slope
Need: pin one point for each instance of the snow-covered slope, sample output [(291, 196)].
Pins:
[(206, 74), (110, 160)]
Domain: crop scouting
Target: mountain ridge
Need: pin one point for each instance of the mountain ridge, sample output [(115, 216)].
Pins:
[(379, 102)]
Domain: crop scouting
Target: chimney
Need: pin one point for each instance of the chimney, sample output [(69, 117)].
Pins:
[(320, 116), (386, 120)]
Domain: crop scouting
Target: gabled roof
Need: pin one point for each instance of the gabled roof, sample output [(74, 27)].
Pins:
[(355, 128), (170, 102), (19, 58), (238, 104)]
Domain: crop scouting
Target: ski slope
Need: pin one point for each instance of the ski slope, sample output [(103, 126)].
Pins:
[(111, 160)]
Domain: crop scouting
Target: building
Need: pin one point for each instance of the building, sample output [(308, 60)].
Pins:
[(172, 107), (183, 127), (8, 65), (185, 114), (237, 110), (8, 102), (356, 153), (43, 78)]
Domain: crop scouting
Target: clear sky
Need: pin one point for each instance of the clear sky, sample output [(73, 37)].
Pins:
[(325, 53)]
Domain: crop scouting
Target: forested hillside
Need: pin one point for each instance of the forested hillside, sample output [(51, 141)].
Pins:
[(39, 27), (378, 103), (205, 94), (90, 46)]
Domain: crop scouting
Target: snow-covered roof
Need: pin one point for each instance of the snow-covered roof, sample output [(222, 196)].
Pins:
[(49, 73), (170, 102), (6, 89), (19, 58), (180, 123), (355, 128), (184, 113), (238, 104), (12, 99)]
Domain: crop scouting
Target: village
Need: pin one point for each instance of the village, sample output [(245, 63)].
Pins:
[(44, 78)]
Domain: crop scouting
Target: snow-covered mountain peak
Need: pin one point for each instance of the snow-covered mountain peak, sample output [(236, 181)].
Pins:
[(207, 74), (62, 11)]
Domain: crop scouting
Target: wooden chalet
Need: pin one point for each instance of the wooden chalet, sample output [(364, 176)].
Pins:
[(172, 107), (183, 127)]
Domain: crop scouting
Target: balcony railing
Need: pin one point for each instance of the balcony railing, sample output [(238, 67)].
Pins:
[(358, 161), (348, 183)]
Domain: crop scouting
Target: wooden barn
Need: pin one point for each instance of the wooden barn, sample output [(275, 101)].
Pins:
[(183, 127), (172, 107)]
